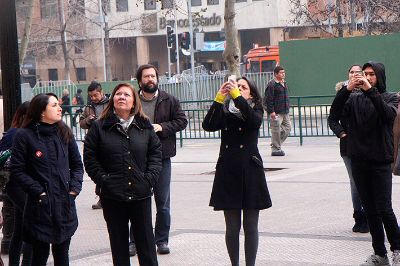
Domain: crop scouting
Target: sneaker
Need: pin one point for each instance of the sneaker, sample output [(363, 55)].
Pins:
[(278, 153), (97, 205), (375, 260), (396, 258), (132, 249), (162, 248)]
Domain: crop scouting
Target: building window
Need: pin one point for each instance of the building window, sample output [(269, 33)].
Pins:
[(79, 47), (80, 73), (149, 4), (52, 49), (212, 2), (77, 7), (48, 8), (122, 5), (165, 4), (241, 1), (196, 2), (53, 74)]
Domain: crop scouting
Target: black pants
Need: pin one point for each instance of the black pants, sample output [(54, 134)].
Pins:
[(117, 215), (41, 252), (374, 184), (18, 198)]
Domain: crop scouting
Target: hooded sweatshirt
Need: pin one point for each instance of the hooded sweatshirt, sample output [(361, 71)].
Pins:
[(369, 117)]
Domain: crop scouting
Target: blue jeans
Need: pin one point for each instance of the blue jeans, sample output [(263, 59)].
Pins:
[(162, 198), (355, 198)]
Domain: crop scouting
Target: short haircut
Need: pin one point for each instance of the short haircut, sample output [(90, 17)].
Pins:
[(94, 85), (79, 91), (277, 69), (140, 71)]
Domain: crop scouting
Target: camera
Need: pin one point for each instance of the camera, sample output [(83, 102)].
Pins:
[(232, 78)]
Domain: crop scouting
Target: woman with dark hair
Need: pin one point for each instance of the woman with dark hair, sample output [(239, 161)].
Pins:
[(338, 125), (239, 183), (122, 155), (46, 163), (17, 196)]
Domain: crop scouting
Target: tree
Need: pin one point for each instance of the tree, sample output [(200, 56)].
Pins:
[(376, 16), (26, 31), (231, 53)]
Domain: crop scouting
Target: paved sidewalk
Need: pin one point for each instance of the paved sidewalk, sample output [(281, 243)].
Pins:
[(309, 223)]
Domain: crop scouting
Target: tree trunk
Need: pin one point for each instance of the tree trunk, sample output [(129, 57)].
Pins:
[(26, 33), (63, 34), (352, 27), (107, 52), (232, 53), (339, 18)]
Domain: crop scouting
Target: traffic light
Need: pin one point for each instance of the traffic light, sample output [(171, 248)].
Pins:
[(170, 37), (185, 40)]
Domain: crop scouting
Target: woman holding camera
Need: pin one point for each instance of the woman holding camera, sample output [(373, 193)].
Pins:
[(239, 184), (338, 125)]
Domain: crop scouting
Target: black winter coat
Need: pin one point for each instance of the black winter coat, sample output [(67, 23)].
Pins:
[(239, 181), (169, 114), (42, 162), (369, 117), (124, 165)]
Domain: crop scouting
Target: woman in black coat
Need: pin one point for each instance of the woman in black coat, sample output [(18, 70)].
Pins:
[(122, 155), (17, 197), (239, 183), (46, 163)]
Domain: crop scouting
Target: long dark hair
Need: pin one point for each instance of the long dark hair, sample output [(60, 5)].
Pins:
[(253, 90), (19, 115), (137, 107), (34, 115)]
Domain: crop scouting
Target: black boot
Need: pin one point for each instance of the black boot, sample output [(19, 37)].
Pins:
[(364, 228), (357, 215)]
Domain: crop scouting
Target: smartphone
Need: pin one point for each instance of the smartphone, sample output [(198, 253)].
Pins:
[(232, 78)]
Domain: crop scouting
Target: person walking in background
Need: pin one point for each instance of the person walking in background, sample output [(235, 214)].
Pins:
[(165, 112), (46, 163), (92, 111), (77, 100), (239, 184), (17, 197), (122, 155), (65, 102), (369, 114), (339, 126), (276, 103)]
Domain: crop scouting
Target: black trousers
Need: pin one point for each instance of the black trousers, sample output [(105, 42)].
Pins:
[(117, 215), (41, 252), (374, 184)]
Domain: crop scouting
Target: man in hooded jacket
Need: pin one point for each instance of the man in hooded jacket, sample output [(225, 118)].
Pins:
[(370, 114)]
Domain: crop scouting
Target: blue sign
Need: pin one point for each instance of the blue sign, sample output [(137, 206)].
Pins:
[(213, 46)]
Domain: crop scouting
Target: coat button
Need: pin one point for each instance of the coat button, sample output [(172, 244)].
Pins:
[(128, 152), (130, 183), (127, 137), (226, 146), (241, 146), (129, 197), (240, 129), (129, 168), (226, 129)]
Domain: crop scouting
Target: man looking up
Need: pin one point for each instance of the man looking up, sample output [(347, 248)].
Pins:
[(98, 101), (276, 103), (167, 117), (369, 114)]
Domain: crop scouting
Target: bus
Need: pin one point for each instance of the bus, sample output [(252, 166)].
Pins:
[(262, 59)]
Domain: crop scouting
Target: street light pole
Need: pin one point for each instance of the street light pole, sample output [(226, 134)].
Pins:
[(189, 4), (102, 19), (178, 71)]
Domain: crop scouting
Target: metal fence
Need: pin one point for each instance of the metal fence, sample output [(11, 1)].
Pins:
[(308, 120)]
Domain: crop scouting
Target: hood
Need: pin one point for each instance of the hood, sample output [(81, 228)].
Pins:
[(340, 84), (379, 70)]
